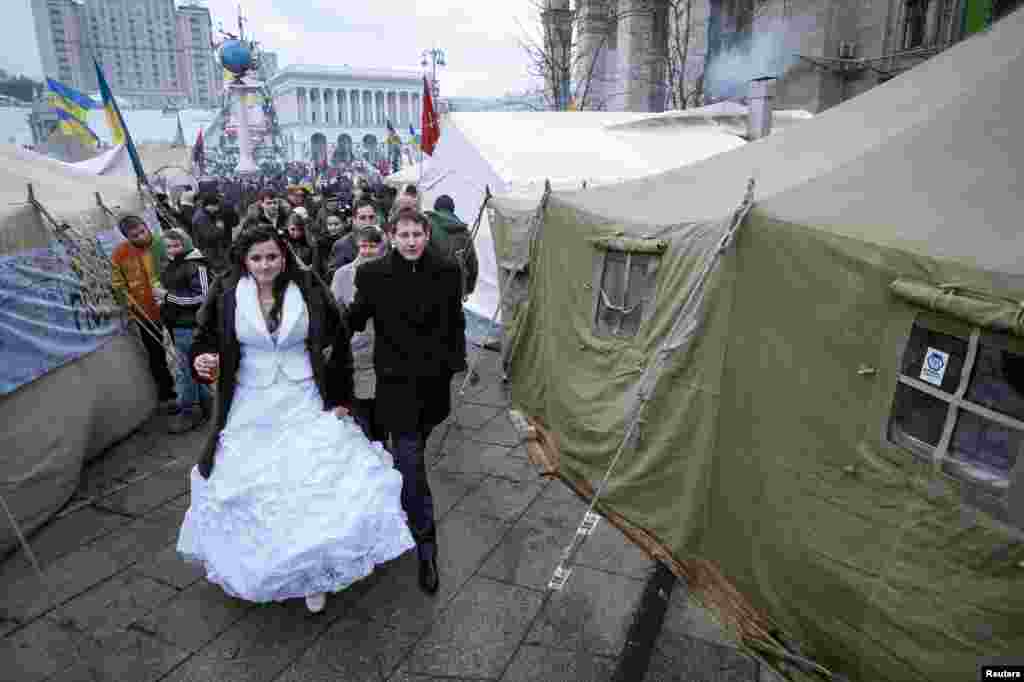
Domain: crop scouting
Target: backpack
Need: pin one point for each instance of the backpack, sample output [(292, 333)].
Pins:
[(459, 249)]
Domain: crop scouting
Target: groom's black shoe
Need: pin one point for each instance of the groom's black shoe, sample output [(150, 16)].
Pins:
[(430, 580)]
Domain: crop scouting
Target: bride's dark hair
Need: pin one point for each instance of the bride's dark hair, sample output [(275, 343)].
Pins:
[(258, 234)]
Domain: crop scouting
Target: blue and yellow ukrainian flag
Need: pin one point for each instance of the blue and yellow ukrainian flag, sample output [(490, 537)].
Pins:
[(76, 128), (72, 108), (118, 129), (392, 137)]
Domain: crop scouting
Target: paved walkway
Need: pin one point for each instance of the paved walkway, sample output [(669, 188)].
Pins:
[(121, 606)]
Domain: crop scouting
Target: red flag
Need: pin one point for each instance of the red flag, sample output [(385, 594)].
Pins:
[(199, 153), (431, 126)]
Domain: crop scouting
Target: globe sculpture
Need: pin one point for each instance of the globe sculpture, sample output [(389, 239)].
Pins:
[(236, 57)]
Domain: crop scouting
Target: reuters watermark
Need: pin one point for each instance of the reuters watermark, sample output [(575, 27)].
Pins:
[(1000, 673)]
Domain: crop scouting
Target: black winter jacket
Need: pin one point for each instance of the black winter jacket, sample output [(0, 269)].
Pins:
[(187, 281), (419, 327)]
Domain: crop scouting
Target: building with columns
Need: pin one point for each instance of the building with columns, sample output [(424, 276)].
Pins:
[(629, 52), (341, 112)]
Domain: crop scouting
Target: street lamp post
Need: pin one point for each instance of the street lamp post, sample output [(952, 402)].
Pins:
[(434, 58)]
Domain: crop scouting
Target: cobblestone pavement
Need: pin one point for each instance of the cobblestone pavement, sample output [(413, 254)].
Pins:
[(120, 605)]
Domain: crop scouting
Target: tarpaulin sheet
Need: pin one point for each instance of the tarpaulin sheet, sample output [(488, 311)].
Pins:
[(49, 316)]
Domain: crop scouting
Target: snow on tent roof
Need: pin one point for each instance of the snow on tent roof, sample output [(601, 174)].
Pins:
[(525, 148), (928, 161), (732, 117)]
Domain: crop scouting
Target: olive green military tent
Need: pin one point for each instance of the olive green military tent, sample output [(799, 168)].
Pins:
[(824, 390)]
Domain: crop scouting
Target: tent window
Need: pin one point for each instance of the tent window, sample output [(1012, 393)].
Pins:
[(960, 404), (625, 292)]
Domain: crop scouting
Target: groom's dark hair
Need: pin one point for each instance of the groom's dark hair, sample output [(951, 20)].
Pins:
[(412, 215)]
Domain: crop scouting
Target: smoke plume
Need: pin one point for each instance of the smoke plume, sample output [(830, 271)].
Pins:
[(770, 49)]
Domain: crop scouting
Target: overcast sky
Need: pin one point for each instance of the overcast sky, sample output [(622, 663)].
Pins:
[(479, 37)]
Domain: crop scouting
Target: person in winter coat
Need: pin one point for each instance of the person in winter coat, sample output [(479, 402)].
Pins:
[(186, 279), (211, 237), (372, 245), (272, 211), (413, 296), (135, 277), (409, 197), (186, 207), (253, 217), (345, 250), (298, 239), (451, 236), (335, 228)]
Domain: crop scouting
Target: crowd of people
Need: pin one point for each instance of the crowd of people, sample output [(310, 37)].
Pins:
[(319, 328)]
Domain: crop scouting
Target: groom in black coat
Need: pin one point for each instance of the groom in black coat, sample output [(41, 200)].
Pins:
[(414, 296)]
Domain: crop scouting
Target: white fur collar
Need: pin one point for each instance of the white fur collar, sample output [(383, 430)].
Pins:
[(247, 296)]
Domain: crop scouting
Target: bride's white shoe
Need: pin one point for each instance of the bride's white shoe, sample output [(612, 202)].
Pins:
[(316, 602)]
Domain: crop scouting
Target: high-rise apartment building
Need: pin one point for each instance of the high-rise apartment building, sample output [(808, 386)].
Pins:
[(152, 53), (201, 73), (57, 24)]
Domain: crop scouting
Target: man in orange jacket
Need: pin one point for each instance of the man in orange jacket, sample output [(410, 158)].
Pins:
[(136, 281)]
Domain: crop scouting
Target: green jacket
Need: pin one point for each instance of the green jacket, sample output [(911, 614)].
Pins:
[(451, 237)]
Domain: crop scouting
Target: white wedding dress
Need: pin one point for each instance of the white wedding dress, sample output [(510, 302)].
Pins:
[(299, 501)]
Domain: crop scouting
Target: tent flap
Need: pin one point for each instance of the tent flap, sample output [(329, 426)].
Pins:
[(980, 308)]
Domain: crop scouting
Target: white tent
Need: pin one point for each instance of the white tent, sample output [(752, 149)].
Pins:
[(515, 152), (419, 172), (172, 162)]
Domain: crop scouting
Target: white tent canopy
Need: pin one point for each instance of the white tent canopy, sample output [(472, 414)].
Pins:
[(171, 162), (67, 194), (416, 173), (516, 152)]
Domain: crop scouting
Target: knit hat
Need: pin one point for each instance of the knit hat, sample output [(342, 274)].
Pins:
[(444, 203)]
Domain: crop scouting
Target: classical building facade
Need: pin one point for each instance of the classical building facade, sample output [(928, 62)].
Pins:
[(341, 112), (639, 55)]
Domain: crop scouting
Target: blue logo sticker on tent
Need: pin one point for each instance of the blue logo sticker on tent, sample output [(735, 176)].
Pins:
[(933, 369)]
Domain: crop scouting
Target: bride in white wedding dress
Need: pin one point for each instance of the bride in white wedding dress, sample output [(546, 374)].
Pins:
[(289, 498)]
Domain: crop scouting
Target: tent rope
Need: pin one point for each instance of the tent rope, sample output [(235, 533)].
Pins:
[(81, 260), (535, 220), (644, 390), (682, 330), (623, 309)]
